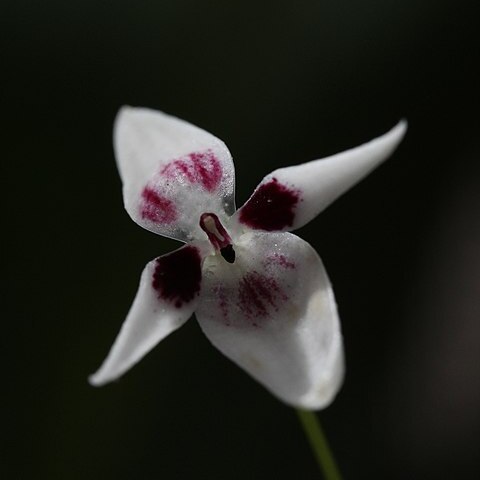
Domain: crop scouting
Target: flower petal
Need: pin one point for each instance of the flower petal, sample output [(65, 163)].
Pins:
[(165, 300), (273, 313), (172, 172), (288, 198)]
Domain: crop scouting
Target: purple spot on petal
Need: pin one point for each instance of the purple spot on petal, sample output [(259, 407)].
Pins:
[(223, 303), (177, 276), (156, 208), (271, 207), (201, 168), (258, 295), (279, 259)]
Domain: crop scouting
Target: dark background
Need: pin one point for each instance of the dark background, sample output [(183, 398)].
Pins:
[(281, 82)]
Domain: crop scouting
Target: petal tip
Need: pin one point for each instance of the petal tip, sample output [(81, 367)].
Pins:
[(401, 127), (385, 145), (397, 133), (105, 374), (92, 380), (97, 379), (124, 112), (325, 390)]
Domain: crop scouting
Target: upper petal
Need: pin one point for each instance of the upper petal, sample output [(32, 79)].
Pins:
[(165, 300), (288, 198), (172, 172), (273, 313)]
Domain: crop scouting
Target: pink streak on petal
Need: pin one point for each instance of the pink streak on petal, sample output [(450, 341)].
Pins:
[(279, 259), (222, 297), (156, 208), (177, 276), (271, 207), (201, 168), (258, 296)]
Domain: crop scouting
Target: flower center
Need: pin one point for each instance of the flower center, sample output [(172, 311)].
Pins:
[(218, 236)]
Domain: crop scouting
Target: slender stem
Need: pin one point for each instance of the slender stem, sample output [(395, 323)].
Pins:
[(318, 442)]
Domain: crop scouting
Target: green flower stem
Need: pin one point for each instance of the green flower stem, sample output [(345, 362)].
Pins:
[(318, 442)]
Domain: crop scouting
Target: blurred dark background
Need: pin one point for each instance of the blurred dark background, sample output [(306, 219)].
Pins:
[(281, 82)]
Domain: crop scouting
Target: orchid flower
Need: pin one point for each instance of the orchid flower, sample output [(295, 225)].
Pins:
[(260, 294)]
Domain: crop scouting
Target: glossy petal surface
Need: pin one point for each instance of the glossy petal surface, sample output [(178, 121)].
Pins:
[(273, 313), (172, 172), (288, 198), (165, 300)]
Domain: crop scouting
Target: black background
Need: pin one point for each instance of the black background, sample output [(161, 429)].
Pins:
[(281, 82)]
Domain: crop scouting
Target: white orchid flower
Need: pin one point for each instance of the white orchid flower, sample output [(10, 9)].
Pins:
[(260, 294)]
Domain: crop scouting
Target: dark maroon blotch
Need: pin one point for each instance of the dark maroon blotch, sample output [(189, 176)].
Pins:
[(271, 207), (202, 168), (156, 208), (178, 275)]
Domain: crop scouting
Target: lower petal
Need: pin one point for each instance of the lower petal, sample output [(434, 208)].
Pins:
[(273, 313), (165, 300)]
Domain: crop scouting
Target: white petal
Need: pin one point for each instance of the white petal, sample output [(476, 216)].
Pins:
[(273, 313), (166, 298), (288, 198), (172, 172)]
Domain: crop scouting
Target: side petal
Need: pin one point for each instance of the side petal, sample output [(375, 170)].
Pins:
[(273, 313), (165, 300), (172, 172), (288, 198)]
